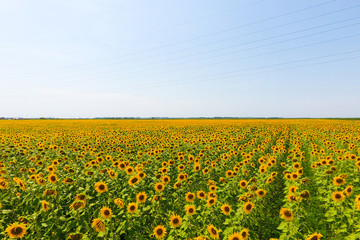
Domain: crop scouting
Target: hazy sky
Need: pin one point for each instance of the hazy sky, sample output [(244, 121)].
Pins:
[(203, 58)]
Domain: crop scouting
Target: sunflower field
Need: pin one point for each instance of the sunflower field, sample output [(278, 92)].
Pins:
[(180, 179)]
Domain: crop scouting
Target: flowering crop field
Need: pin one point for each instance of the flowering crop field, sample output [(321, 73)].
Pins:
[(180, 179)]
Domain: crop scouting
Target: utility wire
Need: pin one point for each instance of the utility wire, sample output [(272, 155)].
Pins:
[(210, 34)]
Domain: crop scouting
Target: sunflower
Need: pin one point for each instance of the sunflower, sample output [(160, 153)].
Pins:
[(214, 233), (112, 174), (261, 193), (106, 212), (98, 225), (357, 199), (80, 197), (190, 210), (210, 202), (159, 232), (348, 190), (68, 181), (190, 197), (41, 181), (226, 209), (243, 183), (45, 205), (305, 194), (181, 177), (338, 181), (248, 207), (119, 202), (270, 180), (77, 205), (235, 236), (141, 197), (129, 170), (134, 180), (205, 170), (175, 220), (315, 236), (75, 236), (132, 207), (286, 214), (16, 230), (3, 184), (245, 234), (159, 187), (201, 194), (229, 173), (20, 183), (101, 187), (141, 175), (165, 179), (337, 196), (212, 188), (156, 198)]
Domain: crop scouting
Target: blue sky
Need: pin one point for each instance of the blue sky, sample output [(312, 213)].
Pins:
[(141, 58)]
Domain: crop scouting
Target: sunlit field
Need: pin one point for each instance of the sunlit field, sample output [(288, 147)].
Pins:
[(180, 179)]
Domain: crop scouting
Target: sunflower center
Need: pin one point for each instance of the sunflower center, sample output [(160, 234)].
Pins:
[(337, 196), (227, 209), (106, 212), (248, 207), (213, 231), (101, 187), (175, 221), (287, 214), (16, 230), (132, 208), (191, 210), (134, 180), (159, 232), (141, 197)]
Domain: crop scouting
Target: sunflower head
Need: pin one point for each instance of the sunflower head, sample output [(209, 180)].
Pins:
[(286, 214), (98, 225), (119, 202), (75, 236), (226, 209), (210, 202), (248, 207), (315, 236), (132, 207), (45, 205), (261, 193), (159, 187), (159, 232), (190, 197), (190, 210), (337, 196), (214, 233), (101, 187), (175, 220), (141, 197), (106, 212), (338, 181), (16, 230)]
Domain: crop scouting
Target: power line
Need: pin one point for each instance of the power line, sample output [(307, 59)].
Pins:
[(230, 60), (214, 33), (236, 45)]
